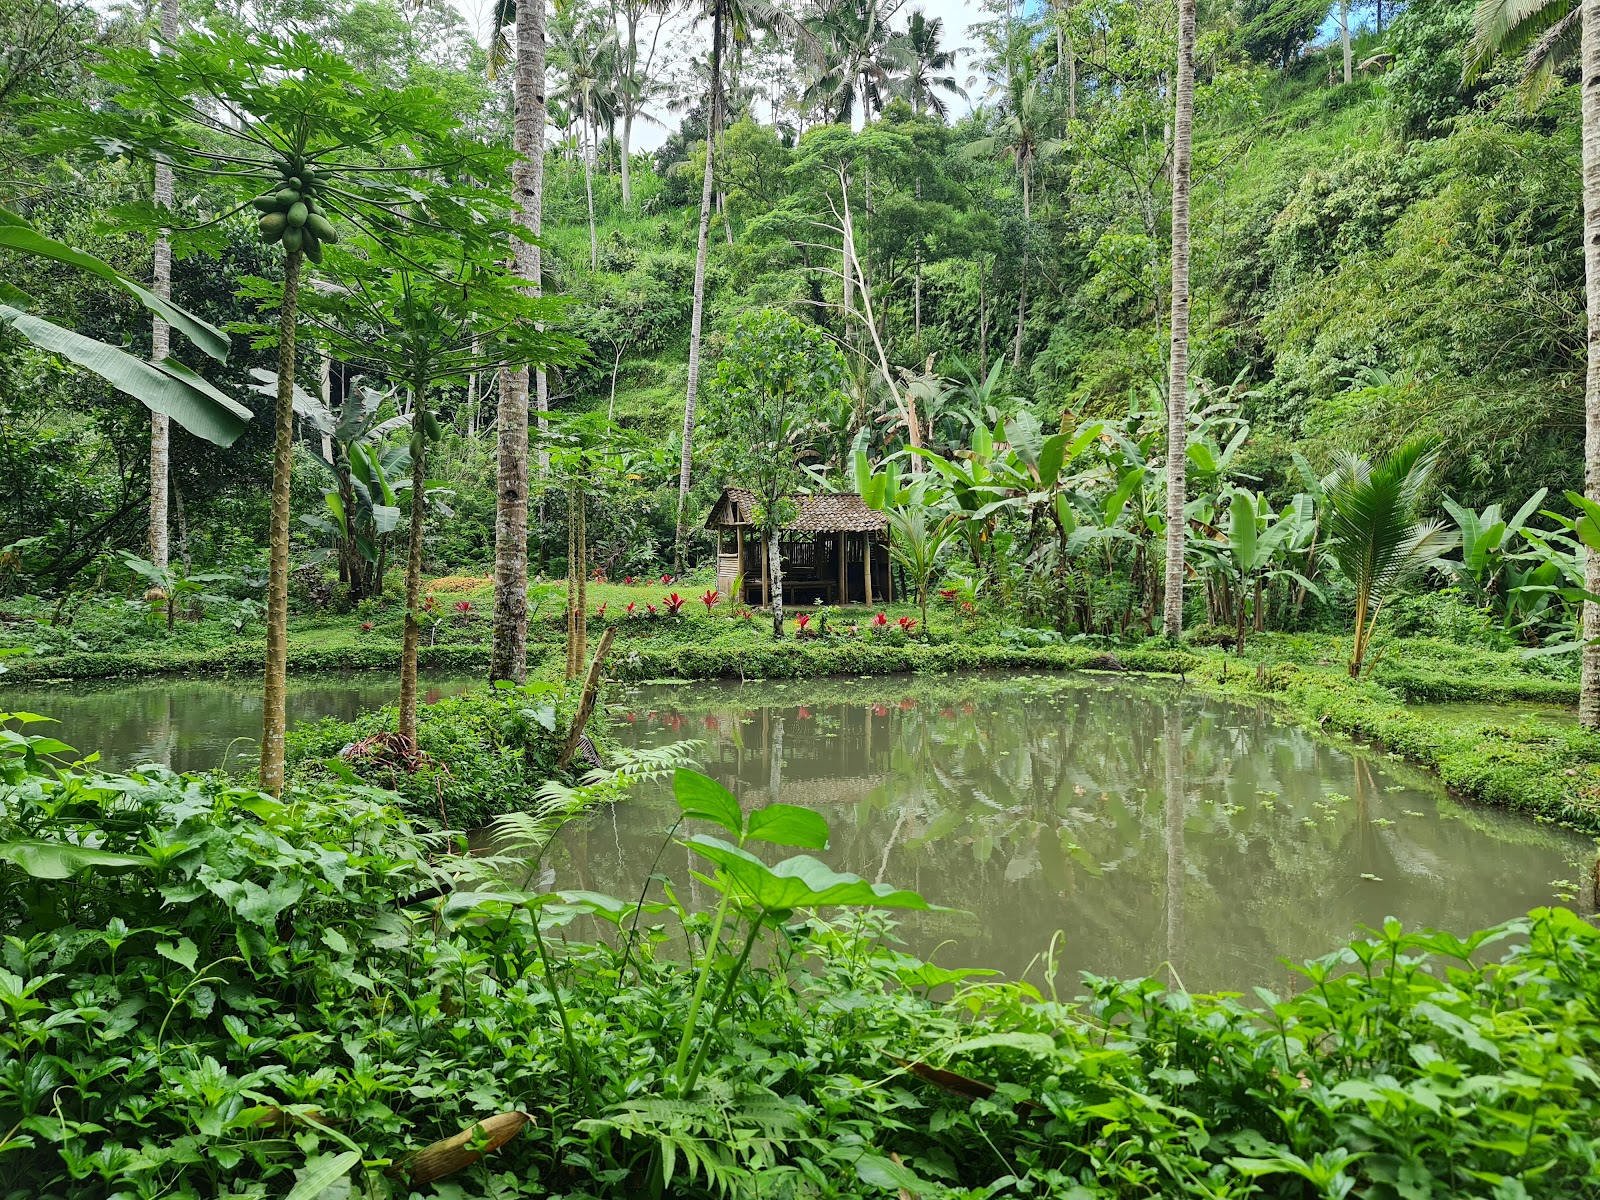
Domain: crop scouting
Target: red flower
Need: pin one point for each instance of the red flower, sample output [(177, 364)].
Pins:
[(711, 599), (947, 593), (601, 611), (366, 626), (665, 579), (652, 609), (673, 602), (627, 579), (463, 606), (429, 604), (802, 713), (802, 621), (630, 608), (907, 624), (880, 622)]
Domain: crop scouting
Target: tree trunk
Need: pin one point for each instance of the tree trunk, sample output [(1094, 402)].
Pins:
[(983, 324), (580, 619), (627, 144), (274, 692), (1589, 689), (1344, 35), (686, 453), (412, 634), (1022, 293), (1178, 377), (161, 339), (775, 582), (509, 639), (588, 188)]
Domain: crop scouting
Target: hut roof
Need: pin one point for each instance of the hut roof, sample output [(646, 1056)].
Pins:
[(823, 512)]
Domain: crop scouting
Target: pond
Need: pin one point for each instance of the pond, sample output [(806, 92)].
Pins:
[(201, 724), (1153, 827), (1148, 824)]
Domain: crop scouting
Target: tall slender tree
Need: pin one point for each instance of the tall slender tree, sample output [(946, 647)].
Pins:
[(1178, 365), (161, 334), (508, 655), (924, 71), (634, 78), (1589, 686)]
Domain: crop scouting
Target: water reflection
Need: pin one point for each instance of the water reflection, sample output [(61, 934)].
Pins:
[(1158, 830), (204, 724)]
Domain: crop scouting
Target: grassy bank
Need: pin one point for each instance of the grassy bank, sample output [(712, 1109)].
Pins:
[(1547, 769)]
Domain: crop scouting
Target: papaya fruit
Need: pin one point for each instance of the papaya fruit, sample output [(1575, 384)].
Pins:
[(267, 203), (312, 246), (320, 225), (430, 425), (298, 213), (288, 196), (293, 239), (273, 224)]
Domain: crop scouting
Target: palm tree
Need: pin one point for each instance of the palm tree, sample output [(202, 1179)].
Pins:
[(856, 58), (1024, 137), (633, 83), (1373, 532), (734, 20), (1545, 32), (1178, 362), (509, 638), (922, 78), (585, 53), (161, 339)]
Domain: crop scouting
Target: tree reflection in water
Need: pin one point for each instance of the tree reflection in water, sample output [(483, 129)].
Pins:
[(1158, 829)]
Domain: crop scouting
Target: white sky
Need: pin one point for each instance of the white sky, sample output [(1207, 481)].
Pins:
[(680, 40)]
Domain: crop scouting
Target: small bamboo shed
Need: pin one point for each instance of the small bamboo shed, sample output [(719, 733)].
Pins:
[(836, 550)]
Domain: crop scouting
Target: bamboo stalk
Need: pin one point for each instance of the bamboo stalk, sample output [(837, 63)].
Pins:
[(452, 1153), (591, 688)]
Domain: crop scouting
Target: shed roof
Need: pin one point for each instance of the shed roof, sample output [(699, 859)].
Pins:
[(822, 512)]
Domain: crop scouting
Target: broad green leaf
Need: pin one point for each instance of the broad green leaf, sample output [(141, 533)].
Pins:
[(800, 882), (19, 237), (183, 952), (63, 860), (874, 1170), (705, 798), (179, 393), (316, 1179), (789, 825), (1037, 1044)]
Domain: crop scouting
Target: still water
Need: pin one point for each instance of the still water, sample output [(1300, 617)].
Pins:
[(1153, 828), (202, 724)]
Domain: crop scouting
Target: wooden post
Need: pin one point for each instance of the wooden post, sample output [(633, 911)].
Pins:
[(844, 595), (738, 533), (866, 564)]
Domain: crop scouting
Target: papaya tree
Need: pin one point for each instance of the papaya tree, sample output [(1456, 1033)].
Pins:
[(287, 131), (434, 308)]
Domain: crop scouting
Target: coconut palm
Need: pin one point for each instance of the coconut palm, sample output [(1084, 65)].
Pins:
[(731, 21), (1178, 359), (857, 57), (1545, 33), (585, 53), (1373, 533), (1025, 137), (508, 653), (160, 335), (922, 75)]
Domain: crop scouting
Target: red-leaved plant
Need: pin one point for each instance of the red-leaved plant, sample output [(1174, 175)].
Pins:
[(907, 624), (711, 599), (878, 623), (673, 602)]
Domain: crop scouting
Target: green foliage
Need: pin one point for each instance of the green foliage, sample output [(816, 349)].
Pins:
[(268, 997)]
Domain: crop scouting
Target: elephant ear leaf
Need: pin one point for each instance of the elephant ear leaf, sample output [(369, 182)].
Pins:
[(704, 798), (799, 882), (63, 860), (789, 825)]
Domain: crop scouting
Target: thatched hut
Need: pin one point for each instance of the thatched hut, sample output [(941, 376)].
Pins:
[(836, 550)]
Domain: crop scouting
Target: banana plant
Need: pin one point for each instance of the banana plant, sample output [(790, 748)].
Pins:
[(174, 585), (1249, 550), (1486, 541)]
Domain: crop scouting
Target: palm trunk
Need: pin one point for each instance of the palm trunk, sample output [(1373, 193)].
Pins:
[(627, 145), (274, 692), (588, 187), (697, 314), (1344, 35), (1589, 688), (1022, 294), (775, 582), (509, 639), (411, 636), (983, 324), (161, 341), (1178, 378)]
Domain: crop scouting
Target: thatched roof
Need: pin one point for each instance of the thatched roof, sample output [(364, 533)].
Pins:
[(825, 512)]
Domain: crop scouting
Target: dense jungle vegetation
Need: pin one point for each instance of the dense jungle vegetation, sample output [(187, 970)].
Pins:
[(1244, 341)]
